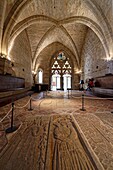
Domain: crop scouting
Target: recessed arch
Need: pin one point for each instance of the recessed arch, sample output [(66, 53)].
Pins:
[(61, 47), (66, 50)]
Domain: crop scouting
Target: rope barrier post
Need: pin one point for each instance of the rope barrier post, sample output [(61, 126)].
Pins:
[(46, 92), (83, 109), (12, 128), (43, 95), (68, 93), (30, 108)]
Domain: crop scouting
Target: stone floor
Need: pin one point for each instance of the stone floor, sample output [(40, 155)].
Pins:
[(57, 134)]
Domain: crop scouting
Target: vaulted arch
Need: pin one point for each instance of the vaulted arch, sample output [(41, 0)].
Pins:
[(59, 25), (52, 49), (21, 5)]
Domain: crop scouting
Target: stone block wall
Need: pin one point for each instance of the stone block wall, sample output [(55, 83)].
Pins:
[(21, 57), (10, 82), (94, 60), (104, 82)]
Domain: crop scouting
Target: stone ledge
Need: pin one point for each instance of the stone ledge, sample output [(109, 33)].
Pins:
[(102, 91), (14, 92)]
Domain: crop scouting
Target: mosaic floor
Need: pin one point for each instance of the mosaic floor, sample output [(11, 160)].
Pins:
[(57, 134)]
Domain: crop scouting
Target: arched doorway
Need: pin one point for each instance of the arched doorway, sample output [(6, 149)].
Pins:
[(61, 72)]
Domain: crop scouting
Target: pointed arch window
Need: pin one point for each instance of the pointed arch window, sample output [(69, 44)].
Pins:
[(61, 72), (40, 76)]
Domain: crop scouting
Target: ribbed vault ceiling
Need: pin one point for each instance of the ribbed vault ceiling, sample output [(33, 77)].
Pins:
[(45, 32), (56, 9)]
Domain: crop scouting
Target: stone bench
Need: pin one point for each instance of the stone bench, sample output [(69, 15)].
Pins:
[(9, 83), (9, 96), (14, 92), (98, 91), (103, 86)]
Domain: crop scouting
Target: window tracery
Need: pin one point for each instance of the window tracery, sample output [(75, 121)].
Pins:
[(61, 71)]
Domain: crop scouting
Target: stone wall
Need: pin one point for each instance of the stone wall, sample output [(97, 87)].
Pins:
[(11, 83), (20, 55), (94, 60)]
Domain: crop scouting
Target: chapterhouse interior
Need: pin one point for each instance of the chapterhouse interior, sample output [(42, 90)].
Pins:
[(56, 84)]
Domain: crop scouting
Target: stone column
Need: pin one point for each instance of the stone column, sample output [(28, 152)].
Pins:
[(2, 16), (61, 79)]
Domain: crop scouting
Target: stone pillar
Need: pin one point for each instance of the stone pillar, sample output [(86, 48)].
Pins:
[(2, 16), (61, 80)]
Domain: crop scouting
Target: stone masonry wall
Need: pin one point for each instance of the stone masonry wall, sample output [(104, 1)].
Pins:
[(21, 57), (94, 63)]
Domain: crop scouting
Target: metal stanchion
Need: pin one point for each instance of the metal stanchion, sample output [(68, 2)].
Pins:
[(83, 109), (46, 92), (12, 128), (43, 94), (30, 108), (68, 93), (71, 92)]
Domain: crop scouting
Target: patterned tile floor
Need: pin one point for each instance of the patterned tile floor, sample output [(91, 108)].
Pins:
[(56, 127)]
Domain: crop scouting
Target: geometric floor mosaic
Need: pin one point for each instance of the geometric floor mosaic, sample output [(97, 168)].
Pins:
[(57, 135)]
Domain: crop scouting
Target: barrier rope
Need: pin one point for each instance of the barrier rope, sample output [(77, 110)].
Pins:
[(6, 115), (75, 97), (28, 102), (12, 128), (36, 99), (24, 105), (95, 98), (40, 103), (98, 98)]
